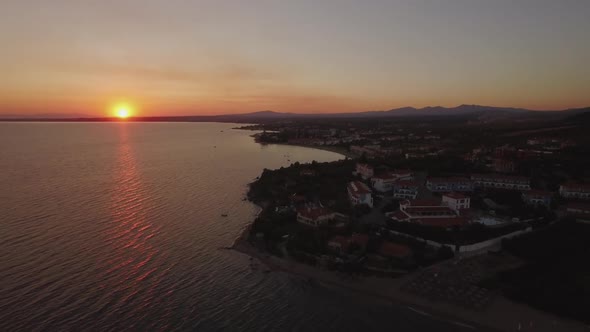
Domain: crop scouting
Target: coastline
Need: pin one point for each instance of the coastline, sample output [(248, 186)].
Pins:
[(501, 315), (336, 149)]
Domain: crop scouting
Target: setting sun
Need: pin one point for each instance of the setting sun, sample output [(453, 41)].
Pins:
[(122, 111)]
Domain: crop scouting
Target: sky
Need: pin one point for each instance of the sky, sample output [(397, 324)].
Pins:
[(181, 57)]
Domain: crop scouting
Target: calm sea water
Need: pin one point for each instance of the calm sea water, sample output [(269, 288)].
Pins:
[(117, 227)]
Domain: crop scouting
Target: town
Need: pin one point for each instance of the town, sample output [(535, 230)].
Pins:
[(469, 210)]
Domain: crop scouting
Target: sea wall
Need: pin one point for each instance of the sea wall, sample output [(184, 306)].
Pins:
[(471, 247)]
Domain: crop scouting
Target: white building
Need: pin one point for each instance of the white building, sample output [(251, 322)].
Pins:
[(456, 201), (537, 198), (497, 181), (364, 170), (359, 193), (575, 190), (449, 184), (427, 212), (386, 181), (405, 189), (314, 216)]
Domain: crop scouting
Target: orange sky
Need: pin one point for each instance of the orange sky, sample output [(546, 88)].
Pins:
[(211, 57)]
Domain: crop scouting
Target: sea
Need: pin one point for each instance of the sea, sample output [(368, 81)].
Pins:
[(122, 227)]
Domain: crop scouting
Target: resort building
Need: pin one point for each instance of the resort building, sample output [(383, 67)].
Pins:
[(394, 250), (504, 165), (314, 216), (365, 171), (456, 201), (341, 244), (498, 181), (575, 190), (359, 193), (427, 212), (449, 184), (405, 189), (537, 198), (385, 182), (580, 211)]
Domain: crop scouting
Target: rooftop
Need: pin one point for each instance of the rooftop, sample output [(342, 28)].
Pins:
[(358, 188), (538, 193), (420, 202), (448, 179), (391, 249), (582, 187), (407, 183), (495, 177), (455, 195)]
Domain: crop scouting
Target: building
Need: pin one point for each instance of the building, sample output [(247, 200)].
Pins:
[(537, 198), (427, 212), (575, 191), (580, 211), (456, 201), (359, 193), (393, 250), (405, 189), (314, 216), (450, 184), (499, 181), (341, 244), (385, 182), (365, 171), (504, 165)]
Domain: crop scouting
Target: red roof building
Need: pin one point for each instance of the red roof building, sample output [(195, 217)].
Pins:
[(359, 193), (500, 181), (429, 213), (394, 250), (575, 191), (314, 216)]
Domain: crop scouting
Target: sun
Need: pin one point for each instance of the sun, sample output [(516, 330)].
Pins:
[(122, 110), (123, 113)]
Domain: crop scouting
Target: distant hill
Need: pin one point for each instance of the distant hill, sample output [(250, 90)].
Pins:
[(462, 110)]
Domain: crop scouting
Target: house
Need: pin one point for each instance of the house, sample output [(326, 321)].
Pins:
[(456, 201), (405, 189), (575, 190), (393, 250), (314, 216), (427, 212), (499, 181), (359, 193), (537, 198), (449, 184), (364, 170), (385, 182), (580, 211), (504, 165), (341, 244)]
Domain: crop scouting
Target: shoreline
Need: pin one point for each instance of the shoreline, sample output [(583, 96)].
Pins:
[(335, 149), (501, 315)]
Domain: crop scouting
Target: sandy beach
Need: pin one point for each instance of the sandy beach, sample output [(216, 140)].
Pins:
[(501, 315)]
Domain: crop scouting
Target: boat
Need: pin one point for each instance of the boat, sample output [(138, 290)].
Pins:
[(224, 215)]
